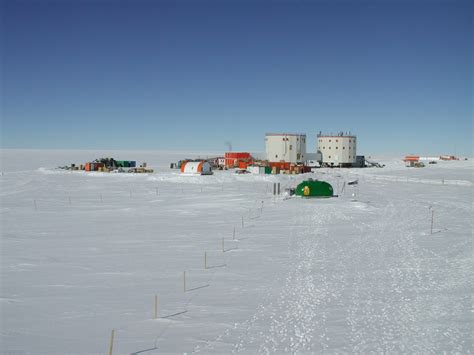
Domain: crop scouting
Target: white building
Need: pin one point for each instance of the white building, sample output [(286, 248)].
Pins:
[(336, 150), (285, 148)]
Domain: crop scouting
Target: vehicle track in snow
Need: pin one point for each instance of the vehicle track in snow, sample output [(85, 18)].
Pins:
[(375, 289)]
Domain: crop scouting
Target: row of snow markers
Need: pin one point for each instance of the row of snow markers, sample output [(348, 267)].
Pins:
[(276, 191), (155, 311), (155, 308)]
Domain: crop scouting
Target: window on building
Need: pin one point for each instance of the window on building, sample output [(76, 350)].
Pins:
[(291, 146)]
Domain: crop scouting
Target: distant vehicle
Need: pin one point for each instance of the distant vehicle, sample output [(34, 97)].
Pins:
[(242, 171), (432, 162)]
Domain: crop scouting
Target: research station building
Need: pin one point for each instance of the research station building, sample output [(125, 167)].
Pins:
[(284, 149), (336, 150)]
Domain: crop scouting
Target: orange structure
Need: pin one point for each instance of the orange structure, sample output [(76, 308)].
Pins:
[(93, 166), (411, 158), (238, 159)]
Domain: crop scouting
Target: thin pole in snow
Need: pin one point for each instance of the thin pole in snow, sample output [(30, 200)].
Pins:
[(223, 247), (184, 281), (155, 313), (233, 234), (205, 260), (34, 204), (432, 218), (111, 345)]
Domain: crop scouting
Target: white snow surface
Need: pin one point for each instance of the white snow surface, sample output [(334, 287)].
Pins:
[(85, 253)]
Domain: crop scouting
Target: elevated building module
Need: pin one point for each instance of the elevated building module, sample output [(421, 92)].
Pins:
[(337, 150), (284, 149)]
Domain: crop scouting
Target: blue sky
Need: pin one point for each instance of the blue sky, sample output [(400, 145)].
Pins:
[(191, 75)]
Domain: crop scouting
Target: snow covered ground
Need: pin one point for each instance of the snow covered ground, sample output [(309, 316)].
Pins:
[(85, 253)]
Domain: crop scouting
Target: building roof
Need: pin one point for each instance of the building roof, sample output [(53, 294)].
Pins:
[(339, 134), (285, 134)]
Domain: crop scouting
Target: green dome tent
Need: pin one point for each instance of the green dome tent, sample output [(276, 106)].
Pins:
[(314, 188)]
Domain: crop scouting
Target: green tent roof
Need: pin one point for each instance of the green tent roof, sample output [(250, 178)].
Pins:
[(314, 188)]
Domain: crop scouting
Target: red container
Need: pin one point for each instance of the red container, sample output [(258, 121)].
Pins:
[(93, 166), (235, 158), (412, 158), (238, 155), (242, 165)]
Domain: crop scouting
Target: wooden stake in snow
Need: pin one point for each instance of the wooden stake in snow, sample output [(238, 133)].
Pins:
[(155, 314), (432, 218), (111, 346), (184, 281)]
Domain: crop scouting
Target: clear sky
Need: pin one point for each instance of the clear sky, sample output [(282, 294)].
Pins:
[(191, 75)]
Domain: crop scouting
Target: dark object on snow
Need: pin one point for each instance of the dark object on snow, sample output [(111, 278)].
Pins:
[(371, 163), (355, 182), (314, 188)]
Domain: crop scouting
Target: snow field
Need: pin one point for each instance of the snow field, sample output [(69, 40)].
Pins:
[(332, 275)]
